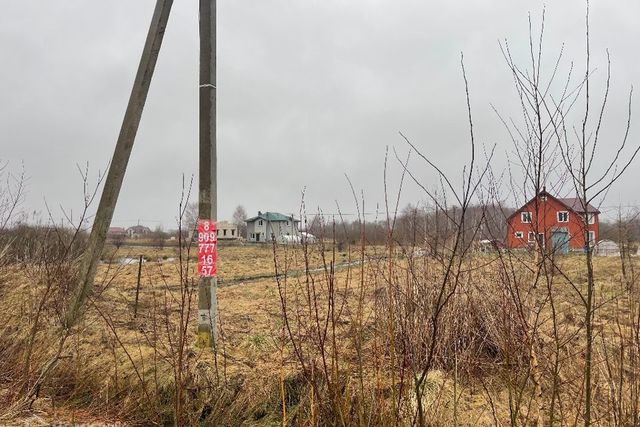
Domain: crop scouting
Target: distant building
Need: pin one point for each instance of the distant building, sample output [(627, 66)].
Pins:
[(272, 225), (607, 248), (138, 231), (553, 223), (227, 230)]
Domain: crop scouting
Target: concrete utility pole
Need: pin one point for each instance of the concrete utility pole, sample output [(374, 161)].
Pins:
[(118, 165), (208, 195)]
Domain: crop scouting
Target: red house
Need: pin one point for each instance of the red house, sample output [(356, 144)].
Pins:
[(553, 223)]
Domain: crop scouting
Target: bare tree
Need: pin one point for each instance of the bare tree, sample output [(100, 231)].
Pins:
[(239, 217), (190, 218), (11, 195), (158, 237)]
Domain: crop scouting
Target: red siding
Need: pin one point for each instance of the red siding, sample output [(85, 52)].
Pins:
[(544, 220)]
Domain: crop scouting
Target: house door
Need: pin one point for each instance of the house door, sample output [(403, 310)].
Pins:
[(257, 237), (560, 242)]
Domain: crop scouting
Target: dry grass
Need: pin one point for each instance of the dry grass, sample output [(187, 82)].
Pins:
[(119, 368)]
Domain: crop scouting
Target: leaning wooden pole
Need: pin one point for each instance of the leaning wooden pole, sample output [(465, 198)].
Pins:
[(118, 166), (207, 196)]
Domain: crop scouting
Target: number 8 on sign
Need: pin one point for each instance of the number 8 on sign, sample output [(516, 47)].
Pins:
[(207, 250)]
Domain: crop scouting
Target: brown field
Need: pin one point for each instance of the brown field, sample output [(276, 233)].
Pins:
[(115, 368)]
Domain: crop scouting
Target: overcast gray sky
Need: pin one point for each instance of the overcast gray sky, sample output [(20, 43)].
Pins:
[(308, 91)]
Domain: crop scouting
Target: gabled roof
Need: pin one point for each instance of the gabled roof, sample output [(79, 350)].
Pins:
[(574, 204), (272, 217)]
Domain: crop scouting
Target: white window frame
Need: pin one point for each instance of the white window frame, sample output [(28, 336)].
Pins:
[(591, 236), (260, 222), (519, 235), (531, 236), (591, 218), (524, 216), (560, 213)]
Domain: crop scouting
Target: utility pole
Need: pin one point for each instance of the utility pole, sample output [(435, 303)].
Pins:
[(119, 161), (207, 196)]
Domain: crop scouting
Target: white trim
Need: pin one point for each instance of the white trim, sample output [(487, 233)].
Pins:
[(519, 234), (562, 212), (543, 240), (524, 216), (531, 236)]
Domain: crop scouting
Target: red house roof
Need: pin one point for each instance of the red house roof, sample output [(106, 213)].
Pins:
[(574, 204)]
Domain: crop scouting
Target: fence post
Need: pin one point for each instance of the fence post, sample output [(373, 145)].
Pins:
[(135, 307)]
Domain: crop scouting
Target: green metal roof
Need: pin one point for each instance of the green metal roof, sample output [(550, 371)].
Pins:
[(272, 217)]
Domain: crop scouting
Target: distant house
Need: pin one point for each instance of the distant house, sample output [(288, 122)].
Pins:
[(138, 231), (227, 230), (554, 223), (272, 225)]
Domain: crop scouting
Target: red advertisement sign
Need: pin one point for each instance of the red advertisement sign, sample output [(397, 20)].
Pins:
[(207, 248)]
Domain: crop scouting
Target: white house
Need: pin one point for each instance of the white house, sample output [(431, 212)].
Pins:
[(138, 231), (272, 225)]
